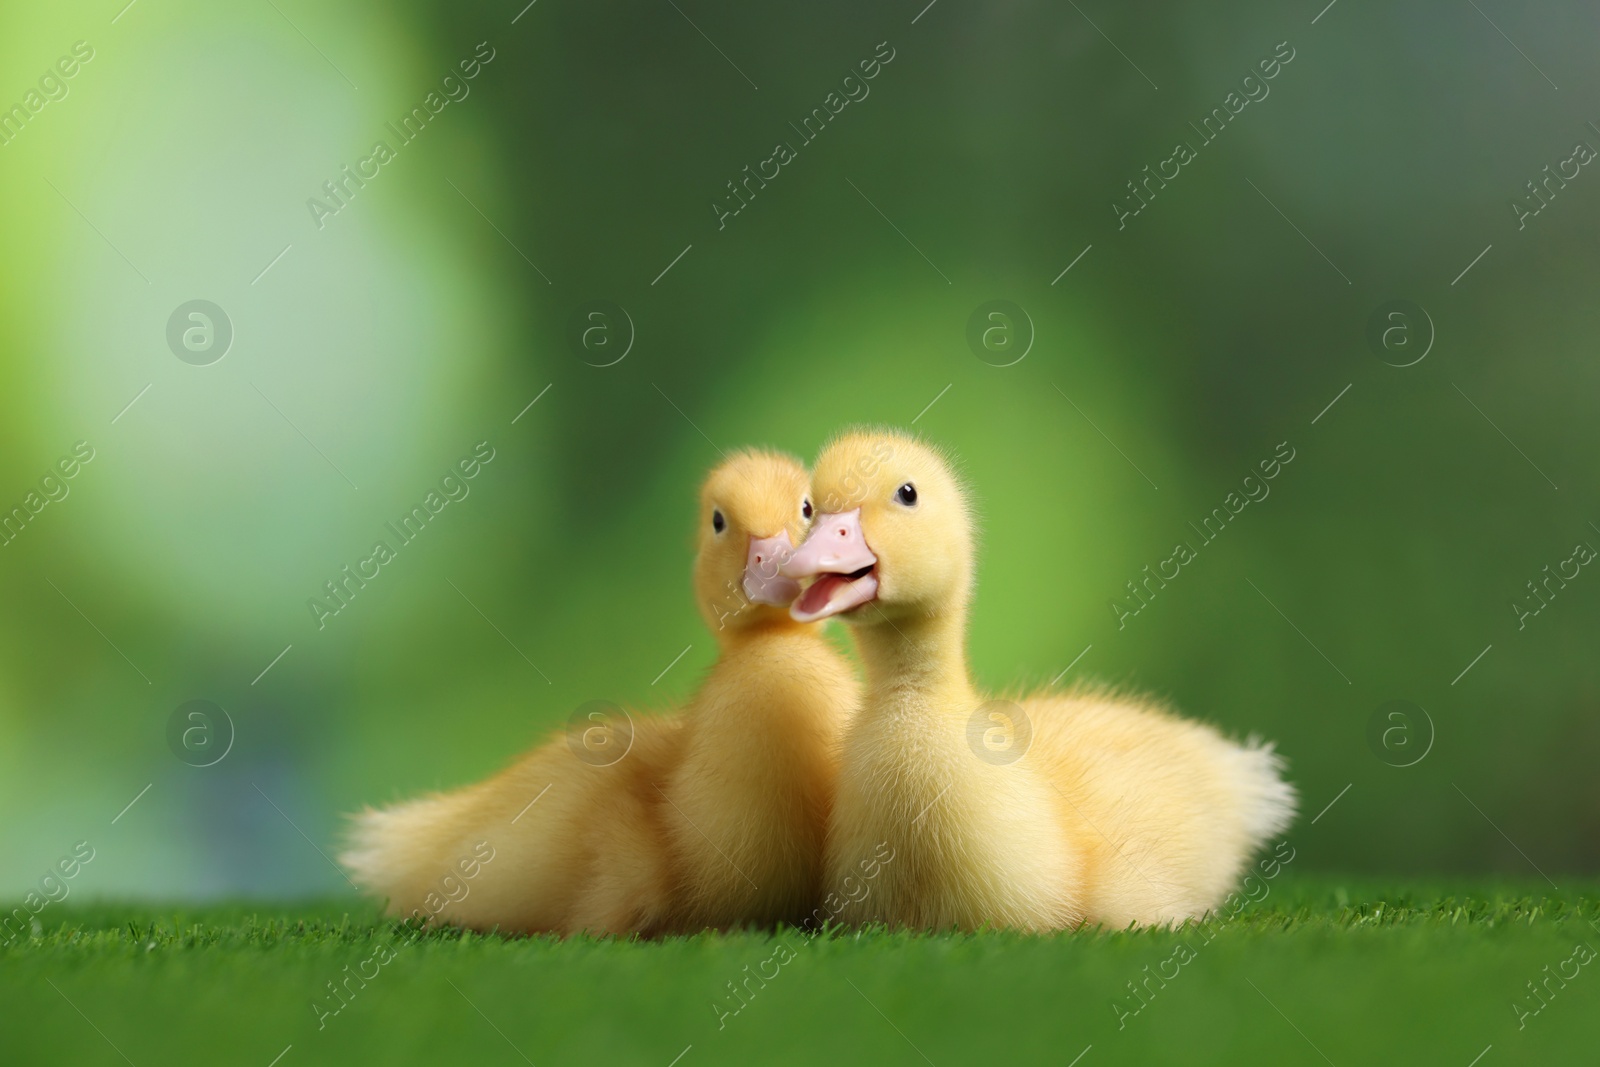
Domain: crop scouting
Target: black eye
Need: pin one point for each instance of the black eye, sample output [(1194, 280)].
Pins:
[(906, 494), (718, 523), (805, 509)]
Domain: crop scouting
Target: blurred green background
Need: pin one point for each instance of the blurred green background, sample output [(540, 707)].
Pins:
[(427, 314)]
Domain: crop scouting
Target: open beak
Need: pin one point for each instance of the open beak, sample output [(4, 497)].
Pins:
[(763, 583), (836, 553)]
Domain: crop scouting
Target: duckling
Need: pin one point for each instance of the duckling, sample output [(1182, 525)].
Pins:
[(714, 816), (1044, 812)]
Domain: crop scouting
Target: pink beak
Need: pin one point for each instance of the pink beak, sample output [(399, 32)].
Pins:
[(835, 550), (763, 583)]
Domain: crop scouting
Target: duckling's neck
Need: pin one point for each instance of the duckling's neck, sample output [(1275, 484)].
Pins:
[(921, 660), (767, 624)]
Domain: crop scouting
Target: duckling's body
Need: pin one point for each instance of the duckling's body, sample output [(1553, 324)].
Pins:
[(1173, 811), (574, 846), (750, 796), (1039, 813), (1117, 813), (973, 843), (715, 817)]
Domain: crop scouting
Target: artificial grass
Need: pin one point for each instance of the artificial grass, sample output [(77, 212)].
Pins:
[(1320, 971)]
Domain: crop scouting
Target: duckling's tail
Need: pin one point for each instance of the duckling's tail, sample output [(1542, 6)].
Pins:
[(1267, 802), (397, 852)]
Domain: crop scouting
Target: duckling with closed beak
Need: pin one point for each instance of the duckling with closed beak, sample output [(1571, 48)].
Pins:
[(711, 817)]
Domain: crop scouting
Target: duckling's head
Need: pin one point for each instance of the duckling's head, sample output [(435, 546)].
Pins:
[(754, 508), (893, 528)]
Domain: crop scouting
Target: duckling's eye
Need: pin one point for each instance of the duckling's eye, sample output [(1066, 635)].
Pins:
[(907, 495), (718, 523), (805, 509)]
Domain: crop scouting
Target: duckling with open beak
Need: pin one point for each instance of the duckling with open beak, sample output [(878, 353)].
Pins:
[(1037, 812), (837, 555)]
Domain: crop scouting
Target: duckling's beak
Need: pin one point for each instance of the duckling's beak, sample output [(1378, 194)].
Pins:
[(763, 584), (836, 553)]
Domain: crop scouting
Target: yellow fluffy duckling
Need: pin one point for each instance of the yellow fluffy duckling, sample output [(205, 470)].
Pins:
[(714, 817), (1092, 807)]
